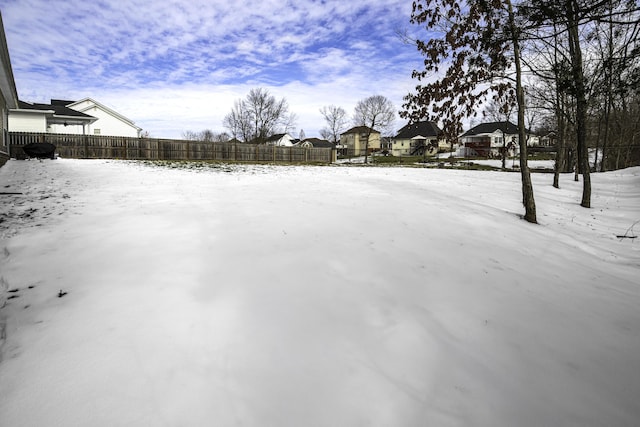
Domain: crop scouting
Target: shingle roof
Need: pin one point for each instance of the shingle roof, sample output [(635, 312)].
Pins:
[(360, 129), (63, 102), (58, 110), (275, 137), (506, 127), (419, 128), (319, 143)]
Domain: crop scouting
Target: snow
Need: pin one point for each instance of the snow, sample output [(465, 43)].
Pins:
[(315, 296)]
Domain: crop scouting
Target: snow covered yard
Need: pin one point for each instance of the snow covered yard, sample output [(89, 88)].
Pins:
[(315, 296)]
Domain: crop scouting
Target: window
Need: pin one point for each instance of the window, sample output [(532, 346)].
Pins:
[(96, 131)]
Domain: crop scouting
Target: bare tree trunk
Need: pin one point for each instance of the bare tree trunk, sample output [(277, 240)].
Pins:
[(527, 187), (609, 96), (598, 137), (366, 147), (561, 159), (560, 121), (575, 52)]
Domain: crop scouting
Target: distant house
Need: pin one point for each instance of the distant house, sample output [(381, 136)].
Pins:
[(109, 122), (418, 138), (315, 143), (32, 117), (8, 94), (354, 140), (281, 140), (386, 144), (487, 139), (548, 139), (86, 116)]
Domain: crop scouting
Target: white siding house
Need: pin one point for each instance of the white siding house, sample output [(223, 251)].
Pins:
[(281, 140), (109, 122), (77, 118), (28, 120), (33, 117), (488, 139)]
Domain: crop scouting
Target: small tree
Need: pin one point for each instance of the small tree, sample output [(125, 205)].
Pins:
[(576, 21), (500, 109), (336, 120), (258, 116), (206, 135), (238, 122), (373, 112), (477, 43)]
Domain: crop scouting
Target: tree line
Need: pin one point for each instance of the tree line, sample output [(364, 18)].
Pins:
[(261, 115), (574, 61)]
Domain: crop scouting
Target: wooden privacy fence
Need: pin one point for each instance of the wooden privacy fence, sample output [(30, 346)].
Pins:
[(118, 147)]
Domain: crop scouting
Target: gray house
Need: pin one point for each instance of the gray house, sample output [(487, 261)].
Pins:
[(8, 95)]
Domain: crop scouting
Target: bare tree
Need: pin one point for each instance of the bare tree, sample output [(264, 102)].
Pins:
[(336, 120), (374, 112), (258, 116), (578, 21), (221, 137), (189, 135), (500, 109), (238, 122), (206, 135), (477, 45)]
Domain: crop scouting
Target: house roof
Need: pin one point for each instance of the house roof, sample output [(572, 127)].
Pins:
[(57, 109), (99, 105), (423, 129), (490, 127), (318, 143), (61, 102), (360, 129), (276, 137), (57, 114)]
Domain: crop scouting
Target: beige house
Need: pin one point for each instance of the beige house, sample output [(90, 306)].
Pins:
[(354, 141), (8, 95), (417, 139)]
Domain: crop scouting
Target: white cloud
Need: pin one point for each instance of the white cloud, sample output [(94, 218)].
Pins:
[(179, 65)]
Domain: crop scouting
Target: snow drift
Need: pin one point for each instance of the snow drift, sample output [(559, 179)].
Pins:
[(315, 296)]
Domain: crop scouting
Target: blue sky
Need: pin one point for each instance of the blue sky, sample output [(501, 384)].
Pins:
[(173, 66)]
